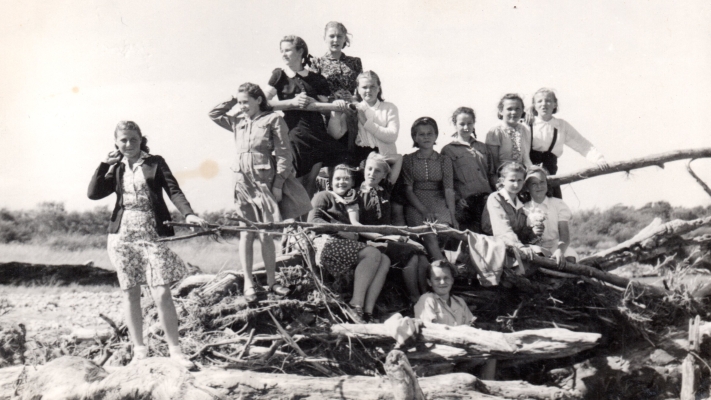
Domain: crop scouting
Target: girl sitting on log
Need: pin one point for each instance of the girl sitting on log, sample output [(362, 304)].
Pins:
[(375, 208), (472, 164), (429, 184), (342, 254), (138, 179), (549, 134), (510, 140), (296, 89), (261, 178), (556, 234)]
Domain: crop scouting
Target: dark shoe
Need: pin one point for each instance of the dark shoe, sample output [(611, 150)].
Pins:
[(279, 290)]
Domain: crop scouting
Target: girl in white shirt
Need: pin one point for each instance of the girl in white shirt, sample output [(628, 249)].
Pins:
[(378, 124), (549, 134)]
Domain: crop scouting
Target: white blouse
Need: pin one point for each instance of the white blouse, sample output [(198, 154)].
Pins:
[(567, 135), (381, 128)]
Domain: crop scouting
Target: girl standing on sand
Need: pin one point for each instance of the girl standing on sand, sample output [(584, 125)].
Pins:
[(260, 177), (138, 179)]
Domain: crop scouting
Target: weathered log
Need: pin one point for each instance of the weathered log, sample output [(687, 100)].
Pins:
[(626, 166), (77, 378), (689, 371), (16, 273), (642, 246), (403, 381), (528, 344)]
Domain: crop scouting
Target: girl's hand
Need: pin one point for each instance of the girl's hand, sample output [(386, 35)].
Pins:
[(455, 224), (302, 100), (348, 235), (113, 157), (361, 117), (430, 216), (558, 257), (194, 219), (463, 203), (603, 165), (538, 229), (342, 105), (277, 194), (529, 118)]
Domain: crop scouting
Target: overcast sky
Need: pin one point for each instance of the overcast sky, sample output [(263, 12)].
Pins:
[(632, 77)]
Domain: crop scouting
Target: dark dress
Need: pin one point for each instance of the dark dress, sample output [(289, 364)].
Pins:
[(310, 142)]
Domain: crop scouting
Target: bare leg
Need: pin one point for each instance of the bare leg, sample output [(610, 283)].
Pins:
[(166, 312), (432, 247), (410, 275), (309, 180), (364, 273), (398, 216), (134, 314), (377, 284), (246, 257), (269, 257), (422, 269)]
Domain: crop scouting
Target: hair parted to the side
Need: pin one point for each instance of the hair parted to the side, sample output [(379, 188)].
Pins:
[(255, 92), (299, 44), (341, 167), (444, 264), (341, 28), (507, 168), (510, 96), (545, 92), (420, 122), (380, 160), (372, 76), (132, 126), (463, 110)]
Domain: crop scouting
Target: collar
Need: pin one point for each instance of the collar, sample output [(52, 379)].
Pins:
[(457, 141), (291, 74), (365, 189), (143, 156), (515, 202), (376, 106), (434, 156), (328, 56)]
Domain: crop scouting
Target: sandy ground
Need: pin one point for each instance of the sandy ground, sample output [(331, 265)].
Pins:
[(51, 312)]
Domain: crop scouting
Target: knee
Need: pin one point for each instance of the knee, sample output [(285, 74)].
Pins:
[(249, 236), (370, 254), (384, 262), (133, 294), (161, 294)]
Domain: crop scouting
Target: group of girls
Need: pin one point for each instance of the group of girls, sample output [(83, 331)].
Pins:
[(333, 115)]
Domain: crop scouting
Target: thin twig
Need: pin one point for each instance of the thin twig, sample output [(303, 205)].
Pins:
[(296, 347), (245, 349), (703, 184)]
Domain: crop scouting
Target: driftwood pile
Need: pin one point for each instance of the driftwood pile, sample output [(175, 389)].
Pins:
[(554, 337)]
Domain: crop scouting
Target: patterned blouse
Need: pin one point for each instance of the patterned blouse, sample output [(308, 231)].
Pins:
[(341, 74)]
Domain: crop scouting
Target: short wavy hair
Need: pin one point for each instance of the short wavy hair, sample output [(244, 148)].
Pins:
[(255, 92), (423, 121), (544, 91)]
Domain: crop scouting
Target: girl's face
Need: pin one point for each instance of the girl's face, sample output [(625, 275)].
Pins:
[(513, 182), (247, 104), (538, 187), (425, 136), (441, 281), (512, 111), (374, 173), (342, 182), (464, 123), (544, 104), (129, 144), (335, 39), (368, 90), (291, 55)]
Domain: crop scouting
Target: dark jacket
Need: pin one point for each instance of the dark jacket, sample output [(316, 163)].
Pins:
[(158, 177)]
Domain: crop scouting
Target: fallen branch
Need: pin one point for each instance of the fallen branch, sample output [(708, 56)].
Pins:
[(626, 166), (703, 184), (529, 344)]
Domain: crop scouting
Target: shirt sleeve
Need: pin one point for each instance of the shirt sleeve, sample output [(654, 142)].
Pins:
[(564, 213), (425, 309), (170, 184), (219, 115), (319, 213), (526, 145), (282, 151), (493, 137), (387, 133), (407, 176), (577, 142), (447, 173), (468, 317), (358, 65), (500, 224)]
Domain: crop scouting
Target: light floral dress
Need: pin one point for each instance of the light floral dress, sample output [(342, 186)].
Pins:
[(134, 251)]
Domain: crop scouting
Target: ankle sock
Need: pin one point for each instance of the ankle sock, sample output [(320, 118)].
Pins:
[(140, 352)]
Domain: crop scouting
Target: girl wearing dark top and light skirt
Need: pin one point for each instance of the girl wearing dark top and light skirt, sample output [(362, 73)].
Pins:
[(296, 89), (139, 179)]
